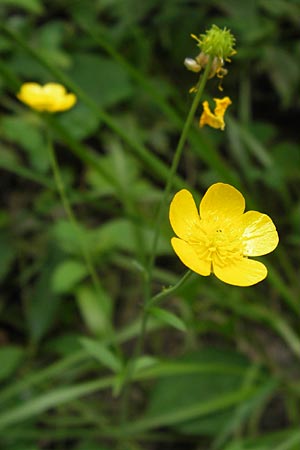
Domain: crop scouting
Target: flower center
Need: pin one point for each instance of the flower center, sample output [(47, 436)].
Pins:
[(218, 243)]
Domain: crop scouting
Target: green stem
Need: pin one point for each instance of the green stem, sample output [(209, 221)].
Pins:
[(140, 342), (174, 166), (71, 216), (129, 371), (168, 291), (199, 145), (172, 172)]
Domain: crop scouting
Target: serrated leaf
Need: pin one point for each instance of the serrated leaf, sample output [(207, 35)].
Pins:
[(168, 318), (102, 354)]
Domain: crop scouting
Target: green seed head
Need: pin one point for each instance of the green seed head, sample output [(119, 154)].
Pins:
[(216, 42)]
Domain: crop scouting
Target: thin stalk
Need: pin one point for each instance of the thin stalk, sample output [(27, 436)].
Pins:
[(170, 178), (168, 291), (128, 376), (71, 216), (140, 342), (174, 166)]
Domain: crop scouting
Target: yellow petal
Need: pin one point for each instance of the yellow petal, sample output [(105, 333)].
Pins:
[(215, 119), (54, 89), (259, 234), (222, 202), (68, 102), (188, 256), (208, 118), (246, 272), (221, 105), (183, 214), (30, 93)]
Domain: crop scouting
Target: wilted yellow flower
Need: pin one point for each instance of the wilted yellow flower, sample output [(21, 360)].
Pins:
[(215, 119), (52, 97), (219, 238)]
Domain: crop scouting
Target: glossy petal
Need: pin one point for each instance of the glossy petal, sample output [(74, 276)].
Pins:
[(244, 273), (187, 255), (222, 202), (183, 214), (259, 234)]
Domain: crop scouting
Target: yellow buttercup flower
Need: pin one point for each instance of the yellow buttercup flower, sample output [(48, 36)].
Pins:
[(219, 238), (215, 119), (52, 97)]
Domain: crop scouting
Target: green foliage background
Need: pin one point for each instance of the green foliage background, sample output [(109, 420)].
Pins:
[(221, 364)]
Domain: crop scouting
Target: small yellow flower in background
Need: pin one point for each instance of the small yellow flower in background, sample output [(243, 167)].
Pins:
[(215, 119), (219, 238), (52, 97)]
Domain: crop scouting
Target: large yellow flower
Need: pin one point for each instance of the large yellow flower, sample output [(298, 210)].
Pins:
[(219, 238), (52, 97)]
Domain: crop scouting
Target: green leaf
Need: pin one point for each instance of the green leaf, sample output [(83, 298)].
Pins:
[(144, 362), (70, 238), (102, 354), (168, 318), (11, 357), (278, 440), (44, 303), (32, 6), (184, 391), (73, 123), (95, 308), (27, 134), (119, 234), (101, 78), (67, 275)]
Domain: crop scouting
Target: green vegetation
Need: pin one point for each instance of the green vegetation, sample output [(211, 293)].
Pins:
[(105, 344)]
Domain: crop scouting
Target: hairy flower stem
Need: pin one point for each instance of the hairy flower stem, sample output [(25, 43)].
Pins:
[(148, 276)]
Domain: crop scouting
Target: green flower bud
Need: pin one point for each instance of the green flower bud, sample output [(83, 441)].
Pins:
[(217, 43)]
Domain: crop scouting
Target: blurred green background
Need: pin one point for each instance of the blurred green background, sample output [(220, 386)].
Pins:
[(226, 374)]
